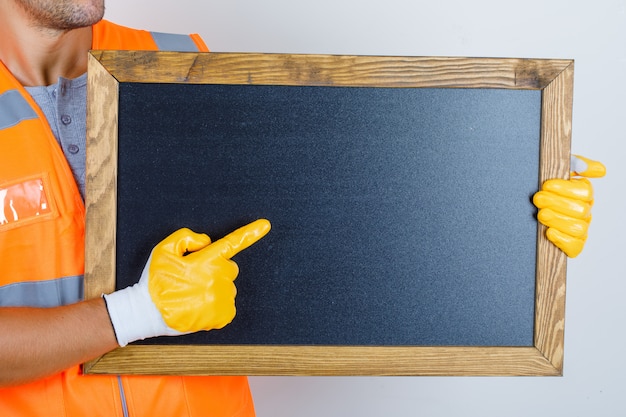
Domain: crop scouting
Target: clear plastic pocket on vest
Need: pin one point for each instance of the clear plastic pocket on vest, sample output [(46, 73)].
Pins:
[(25, 202)]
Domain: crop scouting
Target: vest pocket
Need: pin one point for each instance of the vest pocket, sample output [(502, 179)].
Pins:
[(26, 201)]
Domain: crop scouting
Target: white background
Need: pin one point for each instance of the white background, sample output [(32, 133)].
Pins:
[(591, 32)]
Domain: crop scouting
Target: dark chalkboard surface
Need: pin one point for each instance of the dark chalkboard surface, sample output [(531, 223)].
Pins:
[(398, 215), (399, 190)]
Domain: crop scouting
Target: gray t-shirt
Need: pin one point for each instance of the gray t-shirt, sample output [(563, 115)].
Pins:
[(65, 106)]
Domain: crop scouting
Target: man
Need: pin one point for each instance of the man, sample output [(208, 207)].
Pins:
[(45, 328), (46, 331)]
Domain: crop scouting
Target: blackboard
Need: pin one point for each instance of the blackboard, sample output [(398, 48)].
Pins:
[(401, 213)]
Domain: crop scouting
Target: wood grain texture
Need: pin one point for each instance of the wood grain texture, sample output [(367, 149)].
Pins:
[(108, 68), (556, 132), (101, 177), (326, 360), (329, 70)]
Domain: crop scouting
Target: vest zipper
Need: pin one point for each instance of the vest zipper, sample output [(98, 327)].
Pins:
[(122, 396)]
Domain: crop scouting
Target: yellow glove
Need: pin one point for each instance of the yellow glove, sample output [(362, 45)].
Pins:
[(186, 286), (565, 205), (191, 280)]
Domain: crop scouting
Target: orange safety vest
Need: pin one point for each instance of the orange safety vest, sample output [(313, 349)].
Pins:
[(42, 262)]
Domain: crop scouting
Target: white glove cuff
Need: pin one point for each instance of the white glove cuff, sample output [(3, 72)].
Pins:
[(578, 165), (134, 316)]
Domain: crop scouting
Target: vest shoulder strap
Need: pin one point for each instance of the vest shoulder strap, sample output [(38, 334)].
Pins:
[(108, 35)]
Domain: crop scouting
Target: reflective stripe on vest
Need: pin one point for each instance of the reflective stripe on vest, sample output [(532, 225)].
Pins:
[(174, 42), (14, 109), (52, 293)]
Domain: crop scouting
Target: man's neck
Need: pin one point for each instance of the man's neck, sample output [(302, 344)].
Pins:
[(37, 56)]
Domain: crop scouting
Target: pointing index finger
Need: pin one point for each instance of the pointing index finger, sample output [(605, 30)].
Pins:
[(242, 238)]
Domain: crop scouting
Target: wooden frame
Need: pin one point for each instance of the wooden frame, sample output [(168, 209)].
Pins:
[(108, 68)]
